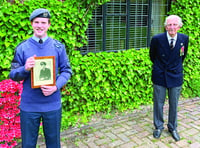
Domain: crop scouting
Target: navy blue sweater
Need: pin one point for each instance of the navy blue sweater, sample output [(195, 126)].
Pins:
[(33, 100)]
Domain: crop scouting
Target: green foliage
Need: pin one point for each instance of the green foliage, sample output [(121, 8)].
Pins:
[(68, 24), (192, 67), (104, 81), (189, 11)]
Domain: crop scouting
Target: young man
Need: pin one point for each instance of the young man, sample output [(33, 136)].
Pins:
[(44, 103), (167, 53)]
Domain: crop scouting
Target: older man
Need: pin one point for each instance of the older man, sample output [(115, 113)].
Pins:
[(167, 53), (44, 103)]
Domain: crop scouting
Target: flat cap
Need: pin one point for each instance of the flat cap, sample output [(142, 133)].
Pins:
[(41, 12)]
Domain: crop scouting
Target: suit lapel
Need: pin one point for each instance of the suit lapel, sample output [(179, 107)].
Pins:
[(177, 41)]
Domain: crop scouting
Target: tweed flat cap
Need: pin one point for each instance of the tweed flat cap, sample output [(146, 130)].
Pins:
[(41, 12)]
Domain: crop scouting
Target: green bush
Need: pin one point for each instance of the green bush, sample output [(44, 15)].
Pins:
[(104, 81)]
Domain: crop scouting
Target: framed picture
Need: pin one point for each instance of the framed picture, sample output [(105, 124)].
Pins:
[(43, 72)]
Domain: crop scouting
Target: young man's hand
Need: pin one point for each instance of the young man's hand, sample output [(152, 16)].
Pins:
[(30, 63), (48, 90)]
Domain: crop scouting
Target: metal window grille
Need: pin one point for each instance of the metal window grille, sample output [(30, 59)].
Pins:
[(125, 24)]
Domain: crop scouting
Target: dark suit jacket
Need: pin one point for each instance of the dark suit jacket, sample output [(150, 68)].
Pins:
[(167, 68)]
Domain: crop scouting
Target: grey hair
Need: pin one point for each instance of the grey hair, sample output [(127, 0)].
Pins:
[(180, 23)]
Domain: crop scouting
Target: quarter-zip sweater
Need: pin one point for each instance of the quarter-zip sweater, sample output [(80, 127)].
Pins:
[(33, 100)]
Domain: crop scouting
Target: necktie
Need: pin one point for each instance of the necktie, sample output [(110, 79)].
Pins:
[(40, 41), (171, 45)]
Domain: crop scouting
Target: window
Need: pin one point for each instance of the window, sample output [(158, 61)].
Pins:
[(125, 24)]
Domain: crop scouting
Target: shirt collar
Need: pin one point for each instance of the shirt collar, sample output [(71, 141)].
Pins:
[(37, 39), (169, 37)]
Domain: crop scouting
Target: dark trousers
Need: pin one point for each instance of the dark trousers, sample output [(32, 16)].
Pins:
[(30, 122), (159, 96)]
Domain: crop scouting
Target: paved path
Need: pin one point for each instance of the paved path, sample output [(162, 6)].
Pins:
[(134, 130)]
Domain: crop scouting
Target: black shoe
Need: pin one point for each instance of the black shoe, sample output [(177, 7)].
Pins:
[(157, 133), (175, 135)]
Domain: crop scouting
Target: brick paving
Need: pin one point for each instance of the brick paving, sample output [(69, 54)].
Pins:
[(134, 130)]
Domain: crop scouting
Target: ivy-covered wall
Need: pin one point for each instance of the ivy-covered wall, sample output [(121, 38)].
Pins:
[(189, 11), (104, 82)]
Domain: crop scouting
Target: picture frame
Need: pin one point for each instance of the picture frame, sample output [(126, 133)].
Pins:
[(43, 73)]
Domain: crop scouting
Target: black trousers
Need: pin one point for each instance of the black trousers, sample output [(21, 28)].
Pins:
[(159, 95)]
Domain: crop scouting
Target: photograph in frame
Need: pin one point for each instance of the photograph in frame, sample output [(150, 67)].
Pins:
[(43, 72)]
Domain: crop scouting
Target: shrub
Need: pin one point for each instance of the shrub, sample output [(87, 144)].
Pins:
[(10, 93), (106, 81)]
